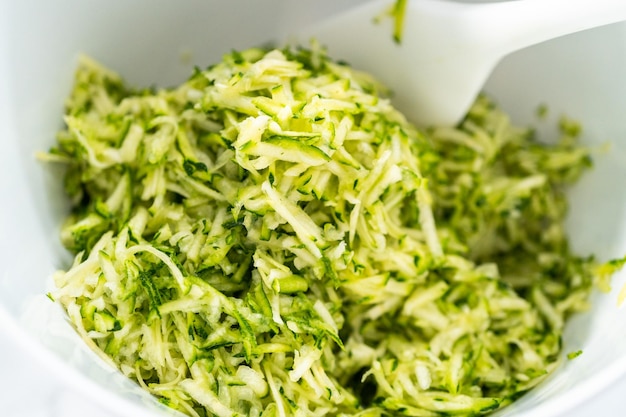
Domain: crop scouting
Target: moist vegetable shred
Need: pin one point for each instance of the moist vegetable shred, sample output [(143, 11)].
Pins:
[(273, 238)]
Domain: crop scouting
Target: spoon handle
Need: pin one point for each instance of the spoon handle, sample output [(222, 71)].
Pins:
[(449, 48), (522, 23)]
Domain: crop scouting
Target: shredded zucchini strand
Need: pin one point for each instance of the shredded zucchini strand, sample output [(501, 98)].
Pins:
[(272, 238)]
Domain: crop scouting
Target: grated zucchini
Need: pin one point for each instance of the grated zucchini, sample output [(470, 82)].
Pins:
[(272, 238)]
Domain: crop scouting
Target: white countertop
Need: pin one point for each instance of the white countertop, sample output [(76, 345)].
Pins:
[(28, 390)]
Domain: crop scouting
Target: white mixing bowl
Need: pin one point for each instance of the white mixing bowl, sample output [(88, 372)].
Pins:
[(146, 40)]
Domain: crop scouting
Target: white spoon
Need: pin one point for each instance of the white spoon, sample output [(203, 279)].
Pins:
[(449, 49)]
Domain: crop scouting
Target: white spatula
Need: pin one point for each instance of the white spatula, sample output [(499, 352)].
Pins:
[(448, 49)]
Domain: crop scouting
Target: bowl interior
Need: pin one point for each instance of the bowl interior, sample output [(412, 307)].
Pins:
[(579, 76), (158, 42)]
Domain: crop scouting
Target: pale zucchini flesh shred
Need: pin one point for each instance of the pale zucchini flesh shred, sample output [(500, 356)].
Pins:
[(272, 238)]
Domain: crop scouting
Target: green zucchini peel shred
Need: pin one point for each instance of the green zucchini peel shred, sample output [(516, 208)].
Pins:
[(273, 238)]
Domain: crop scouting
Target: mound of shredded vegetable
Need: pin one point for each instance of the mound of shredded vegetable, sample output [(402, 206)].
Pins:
[(272, 238)]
